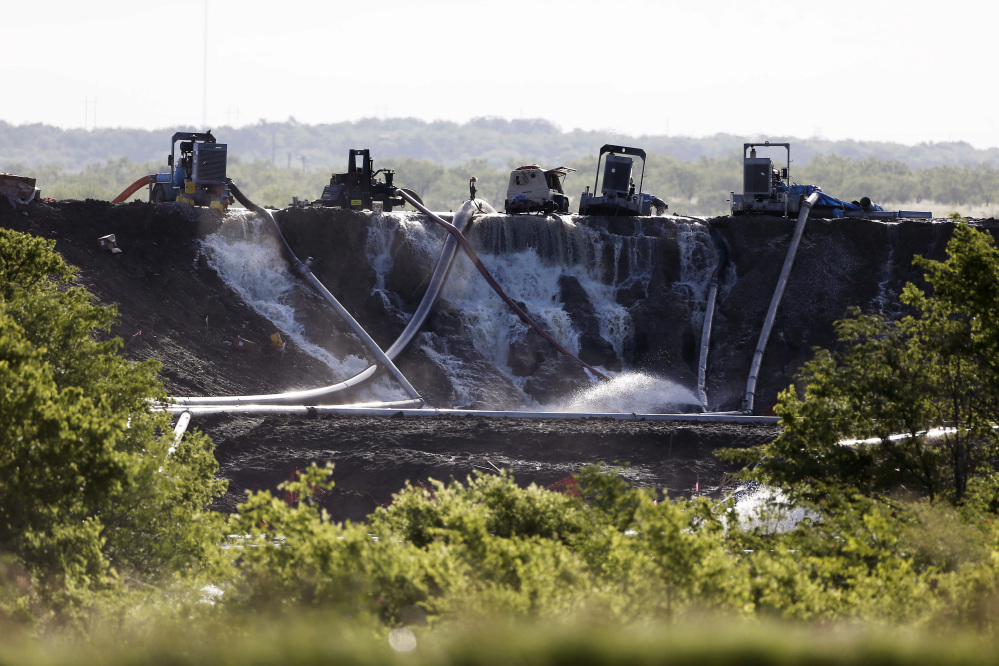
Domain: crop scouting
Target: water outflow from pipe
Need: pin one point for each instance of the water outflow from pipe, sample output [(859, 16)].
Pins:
[(462, 218), (629, 392), (300, 269), (806, 208), (467, 247)]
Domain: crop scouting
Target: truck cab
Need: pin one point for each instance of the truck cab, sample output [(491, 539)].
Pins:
[(536, 190)]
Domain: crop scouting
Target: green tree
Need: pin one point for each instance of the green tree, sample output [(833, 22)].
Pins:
[(92, 484), (935, 369)]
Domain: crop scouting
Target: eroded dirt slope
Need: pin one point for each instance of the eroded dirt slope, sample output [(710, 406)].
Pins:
[(194, 324)]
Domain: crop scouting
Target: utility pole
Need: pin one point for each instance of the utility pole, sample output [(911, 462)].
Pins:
[(204, 76), (89, 119)]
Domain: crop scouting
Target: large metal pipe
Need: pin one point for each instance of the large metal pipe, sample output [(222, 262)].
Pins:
[(183, 421), (702, 362), (300, 269), (709, 315), (380, 409), (467, 247), (806, 207), (288, 397), (462, 218)]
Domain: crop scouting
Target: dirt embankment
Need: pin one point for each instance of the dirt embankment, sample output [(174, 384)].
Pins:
[(176, 309)]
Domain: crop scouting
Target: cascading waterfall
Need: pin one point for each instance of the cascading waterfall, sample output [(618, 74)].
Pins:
[(381, 235), (632, 259), (886, 300), (698, 260), (247, 257), (493, 327), (385, 232), (528, 255)]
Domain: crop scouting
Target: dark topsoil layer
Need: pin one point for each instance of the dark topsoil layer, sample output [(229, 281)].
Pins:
[(174, 308)]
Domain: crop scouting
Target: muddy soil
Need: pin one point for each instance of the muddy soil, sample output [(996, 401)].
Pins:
[(374, 457), (174, 308)]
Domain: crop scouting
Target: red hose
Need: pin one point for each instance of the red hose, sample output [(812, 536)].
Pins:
[(134, 187)]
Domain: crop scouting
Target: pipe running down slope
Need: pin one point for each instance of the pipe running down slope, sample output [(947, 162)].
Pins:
[(300, 269), (702, 361), (462, 218), (709, 315), (768, 323), (467, 247)]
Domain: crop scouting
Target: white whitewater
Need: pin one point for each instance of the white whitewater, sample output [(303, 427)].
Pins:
[(528, 256), (767, 509), (247, 256), (631, 392)]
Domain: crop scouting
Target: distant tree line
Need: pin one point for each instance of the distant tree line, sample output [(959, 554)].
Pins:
[(699, 187), (495, 140)]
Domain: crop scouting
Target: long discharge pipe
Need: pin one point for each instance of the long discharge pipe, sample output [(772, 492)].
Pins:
[(702, 362), (300, 269), (467, 247), (806, 208), (462, 218), (400, 409), (186, 412), (709, 315)]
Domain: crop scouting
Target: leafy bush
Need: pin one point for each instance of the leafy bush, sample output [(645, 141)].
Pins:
[(93, 489)]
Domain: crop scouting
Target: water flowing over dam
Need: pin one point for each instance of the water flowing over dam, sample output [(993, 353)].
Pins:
[(627, 295), (569, 277), (203, 294)]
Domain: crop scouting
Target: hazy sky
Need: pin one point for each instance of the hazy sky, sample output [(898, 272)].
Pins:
[(864, 69)]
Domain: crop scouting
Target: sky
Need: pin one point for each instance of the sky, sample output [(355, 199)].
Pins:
[(867, 70)]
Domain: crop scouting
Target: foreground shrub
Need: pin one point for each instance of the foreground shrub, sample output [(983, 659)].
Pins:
[(94, 492), (487, 547)]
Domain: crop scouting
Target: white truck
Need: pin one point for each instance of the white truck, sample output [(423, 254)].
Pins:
[(536, 190)]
